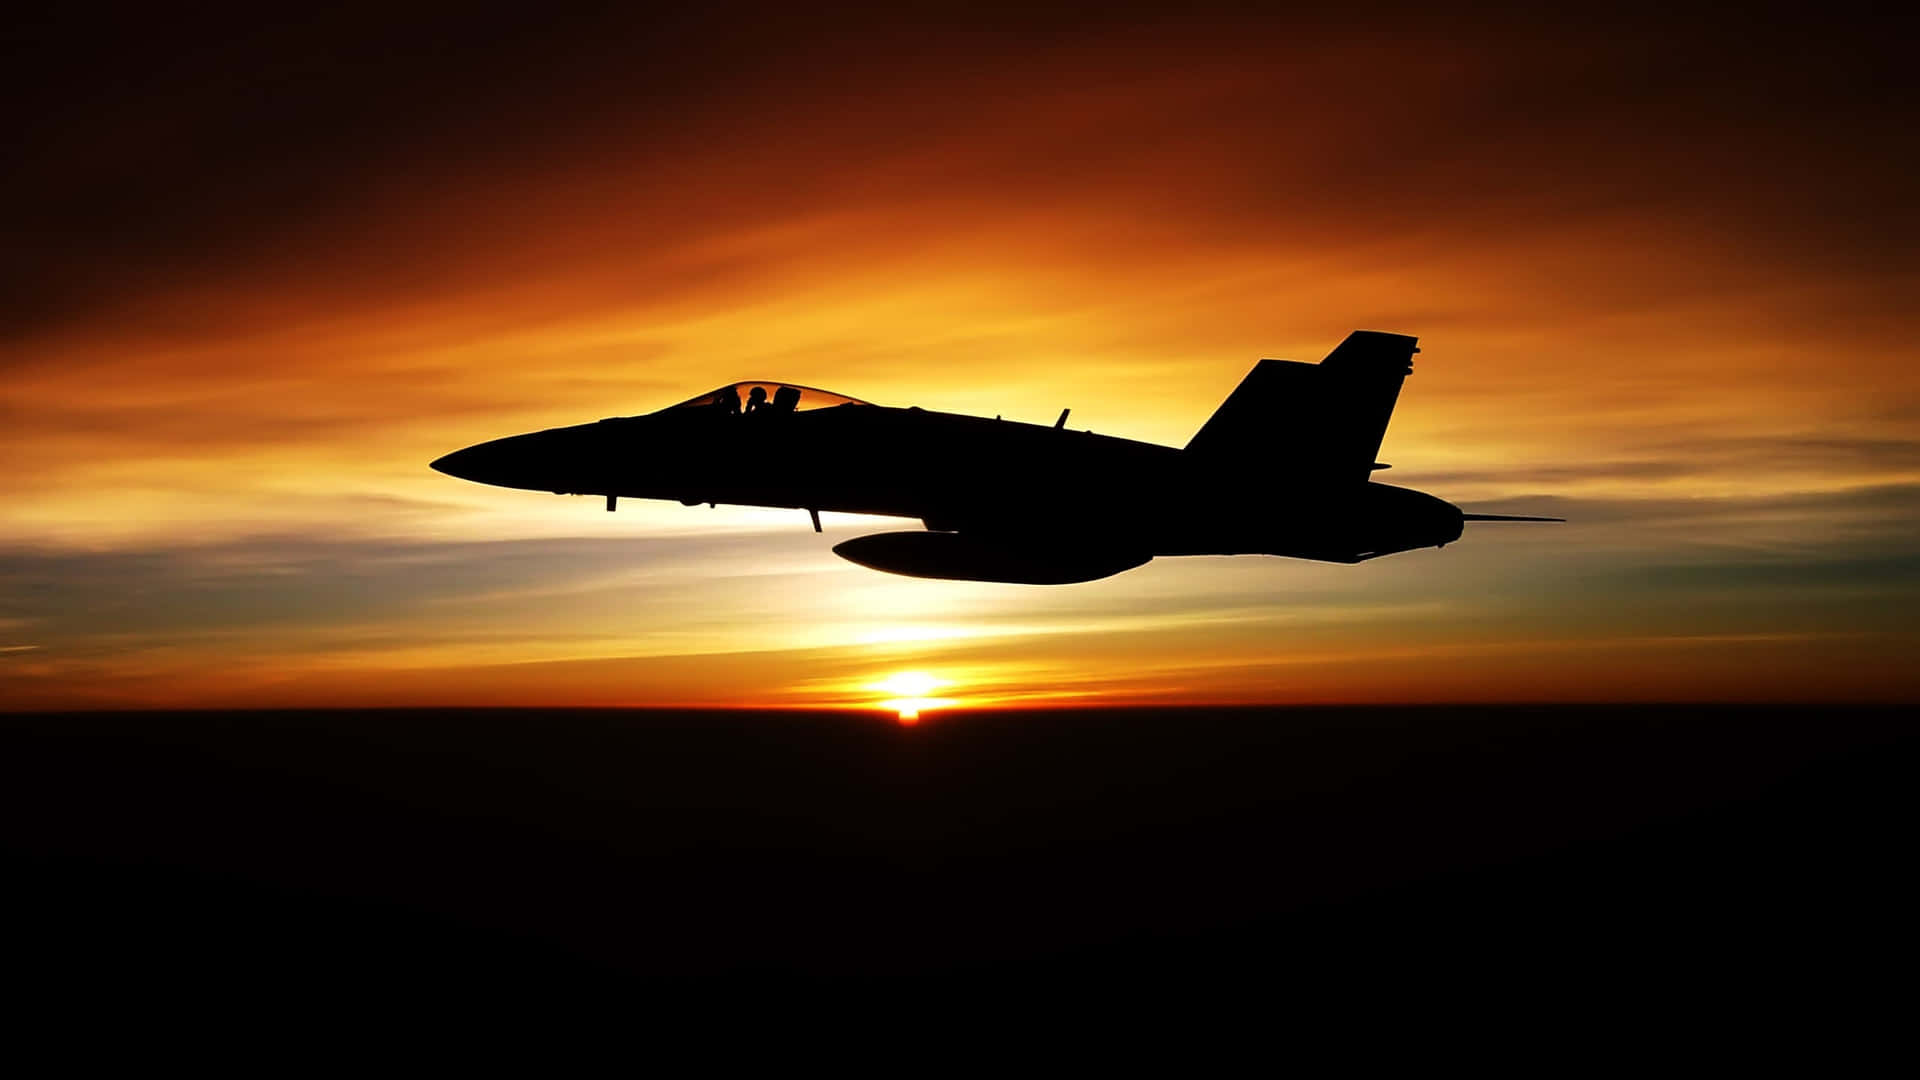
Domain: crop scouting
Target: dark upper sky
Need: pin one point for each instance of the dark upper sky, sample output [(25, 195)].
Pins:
[(158, 152)]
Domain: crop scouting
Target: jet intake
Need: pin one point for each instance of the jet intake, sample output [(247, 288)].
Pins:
[(956, 557)]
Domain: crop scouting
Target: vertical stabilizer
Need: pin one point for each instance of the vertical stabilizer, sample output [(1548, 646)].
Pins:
[(1317, 423)]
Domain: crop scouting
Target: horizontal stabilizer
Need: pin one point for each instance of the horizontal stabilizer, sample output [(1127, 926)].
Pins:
[(1504, 517)]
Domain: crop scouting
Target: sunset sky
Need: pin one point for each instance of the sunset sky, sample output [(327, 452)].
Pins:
[(258, 273)]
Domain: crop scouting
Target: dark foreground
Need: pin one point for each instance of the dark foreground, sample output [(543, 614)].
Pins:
[(1557, 850)]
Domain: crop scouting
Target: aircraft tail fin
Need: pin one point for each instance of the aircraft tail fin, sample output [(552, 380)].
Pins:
[(1322, 422)]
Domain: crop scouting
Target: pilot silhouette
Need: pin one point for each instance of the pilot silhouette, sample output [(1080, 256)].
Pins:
[(756, 399), (728, 401)]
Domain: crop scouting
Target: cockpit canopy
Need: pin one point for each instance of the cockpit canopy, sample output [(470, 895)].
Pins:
[(754, 396)]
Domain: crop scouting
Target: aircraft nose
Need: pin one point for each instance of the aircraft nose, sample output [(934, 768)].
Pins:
[(463, 464), (502, 462), (561, 459)]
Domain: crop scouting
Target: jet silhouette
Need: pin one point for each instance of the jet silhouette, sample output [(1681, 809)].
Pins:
[(1283, 467)]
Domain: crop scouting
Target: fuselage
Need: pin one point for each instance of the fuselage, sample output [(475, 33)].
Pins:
[(1025, 484)]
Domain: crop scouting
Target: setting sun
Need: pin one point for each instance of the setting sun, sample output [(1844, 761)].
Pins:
[(910, 690)]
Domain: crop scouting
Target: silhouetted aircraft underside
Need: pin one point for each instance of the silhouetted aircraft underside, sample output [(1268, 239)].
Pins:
[(1282, 468)]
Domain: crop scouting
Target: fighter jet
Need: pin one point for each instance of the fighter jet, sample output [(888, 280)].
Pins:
[(1284, 467)]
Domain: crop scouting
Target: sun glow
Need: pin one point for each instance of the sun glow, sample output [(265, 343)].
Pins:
[(910, 692)]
